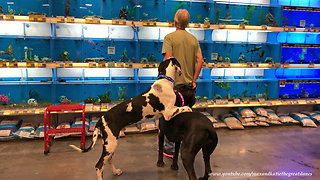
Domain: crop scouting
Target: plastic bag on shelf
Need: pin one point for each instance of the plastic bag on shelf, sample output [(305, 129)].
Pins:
[(285, 118), (147, 126), (219, 124), (63, 125), (246, 112), (39, 133), (272, 115), (26, 131), (304, 119), (78, 123), (212, 119), (8, 127), (260, 111), (313, 115), (93, 123), (231, 121)]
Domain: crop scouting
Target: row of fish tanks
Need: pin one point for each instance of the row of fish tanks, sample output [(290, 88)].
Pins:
[(44, 93), (260, 12), (149, 51)]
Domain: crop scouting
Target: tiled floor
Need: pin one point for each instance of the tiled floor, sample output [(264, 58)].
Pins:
[(280, 149)]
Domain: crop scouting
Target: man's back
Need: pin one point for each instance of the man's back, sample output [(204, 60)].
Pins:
[(184, 47)]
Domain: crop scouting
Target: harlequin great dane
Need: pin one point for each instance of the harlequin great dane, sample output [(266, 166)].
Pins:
[(196, 132), (155, 102)]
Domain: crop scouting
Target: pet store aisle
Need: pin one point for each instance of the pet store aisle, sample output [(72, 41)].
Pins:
[(285, 149)]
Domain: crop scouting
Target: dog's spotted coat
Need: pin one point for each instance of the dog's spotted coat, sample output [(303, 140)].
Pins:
[(155, 102)]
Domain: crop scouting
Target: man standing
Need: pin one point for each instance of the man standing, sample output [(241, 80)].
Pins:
[(186, 49)]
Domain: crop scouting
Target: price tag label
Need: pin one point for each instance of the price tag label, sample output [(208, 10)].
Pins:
[(261, 100), (92, 21), (92, 64), (30, 64), (246, 101), (111, 50), (214, 56), (148, 23), (70, 19), (222, 101), (101, 64), (61, 19), (68, 65), (197, 25), (119, 22), (9, 17), (13, 64), (237, 101), (37, 18)]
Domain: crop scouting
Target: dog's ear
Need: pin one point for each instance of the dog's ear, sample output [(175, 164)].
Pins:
[(175, 62), (163, 66)]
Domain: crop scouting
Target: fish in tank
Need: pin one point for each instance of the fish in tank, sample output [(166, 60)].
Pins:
[(291, 89)]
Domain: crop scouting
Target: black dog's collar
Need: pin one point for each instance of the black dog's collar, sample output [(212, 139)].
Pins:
[(166, 77)]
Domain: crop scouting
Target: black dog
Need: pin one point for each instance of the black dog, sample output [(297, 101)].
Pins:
[(196, 132)]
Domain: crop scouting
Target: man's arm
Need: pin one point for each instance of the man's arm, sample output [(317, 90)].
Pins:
[(167, 55), (197, 70)]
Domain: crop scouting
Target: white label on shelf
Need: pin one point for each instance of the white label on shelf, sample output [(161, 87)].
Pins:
[(219, 35), (149, 72), (198, 33), (96, 31), (148, 33), (11, 28), (68, 30), (123, 32), (302, 23), (37, 29), (214, 56), (165, 30), (39, 72), (111, 50)]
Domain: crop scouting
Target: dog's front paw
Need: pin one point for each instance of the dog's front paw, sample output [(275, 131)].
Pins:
[(160, 163), (174, 167), (117, 172)]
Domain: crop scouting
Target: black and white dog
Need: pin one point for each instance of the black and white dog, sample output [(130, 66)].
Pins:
[(158, 100), (196, 132)]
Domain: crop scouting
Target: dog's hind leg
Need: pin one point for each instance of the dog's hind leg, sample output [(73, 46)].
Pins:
[(174, 165), (110, 143), (160, 162), (107, 156), (189, 151), (207, 151)]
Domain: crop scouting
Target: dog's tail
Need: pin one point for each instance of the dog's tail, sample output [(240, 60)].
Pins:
[(94, 139)]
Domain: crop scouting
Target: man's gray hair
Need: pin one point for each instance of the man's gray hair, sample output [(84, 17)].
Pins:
[(181, 19)]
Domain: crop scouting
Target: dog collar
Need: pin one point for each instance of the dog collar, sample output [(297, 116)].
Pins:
[(182, 99), (166, 77)]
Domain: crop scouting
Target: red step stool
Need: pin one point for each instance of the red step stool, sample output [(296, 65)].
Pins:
[(50, 132)]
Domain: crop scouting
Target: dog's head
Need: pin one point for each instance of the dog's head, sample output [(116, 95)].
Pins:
[(169, 66)]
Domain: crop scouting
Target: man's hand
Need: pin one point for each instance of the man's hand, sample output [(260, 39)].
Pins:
[(194, 85)]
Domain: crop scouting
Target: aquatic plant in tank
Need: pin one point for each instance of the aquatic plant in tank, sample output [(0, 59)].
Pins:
[(105, 98), (122, 92), (4, 99), (8, 52)]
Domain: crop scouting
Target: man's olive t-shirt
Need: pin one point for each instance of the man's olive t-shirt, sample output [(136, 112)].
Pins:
[(184, 47)]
